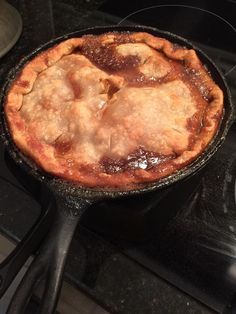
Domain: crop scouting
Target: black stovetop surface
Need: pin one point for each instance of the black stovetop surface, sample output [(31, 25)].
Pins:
[(165, 256)]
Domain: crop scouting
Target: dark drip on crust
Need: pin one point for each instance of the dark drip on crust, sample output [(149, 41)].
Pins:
[(139, 159), (105, 56)]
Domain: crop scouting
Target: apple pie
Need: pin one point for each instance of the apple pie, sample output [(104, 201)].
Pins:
[(115, 110)]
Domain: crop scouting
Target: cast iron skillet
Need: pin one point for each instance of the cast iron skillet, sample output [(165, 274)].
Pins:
[(72, 200)]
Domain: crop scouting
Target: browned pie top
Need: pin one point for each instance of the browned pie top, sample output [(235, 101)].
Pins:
[(114, 110)]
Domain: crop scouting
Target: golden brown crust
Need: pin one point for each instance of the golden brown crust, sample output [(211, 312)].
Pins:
[(47, 156)]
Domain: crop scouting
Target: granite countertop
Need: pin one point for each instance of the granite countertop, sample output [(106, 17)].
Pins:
[(98, 268)]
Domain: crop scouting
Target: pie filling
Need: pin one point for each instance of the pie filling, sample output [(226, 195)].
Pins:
[(115, 110)]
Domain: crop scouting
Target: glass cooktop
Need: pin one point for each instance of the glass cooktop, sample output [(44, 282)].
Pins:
[(130, 258)]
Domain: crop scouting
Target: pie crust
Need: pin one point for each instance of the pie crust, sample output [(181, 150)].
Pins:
[(116, 110)]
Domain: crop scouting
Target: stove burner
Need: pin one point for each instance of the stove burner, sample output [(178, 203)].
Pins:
[(137, 15)]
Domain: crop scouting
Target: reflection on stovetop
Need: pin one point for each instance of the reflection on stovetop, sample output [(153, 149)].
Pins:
[(199, 244), (214, 209), (190, 241)]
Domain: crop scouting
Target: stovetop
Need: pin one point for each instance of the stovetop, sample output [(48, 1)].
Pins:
[(149, 255)]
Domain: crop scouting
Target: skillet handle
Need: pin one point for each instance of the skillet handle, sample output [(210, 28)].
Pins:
[(50, 261), (28, 245)]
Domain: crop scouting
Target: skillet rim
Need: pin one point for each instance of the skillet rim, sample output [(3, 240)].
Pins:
[(66, 188)]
